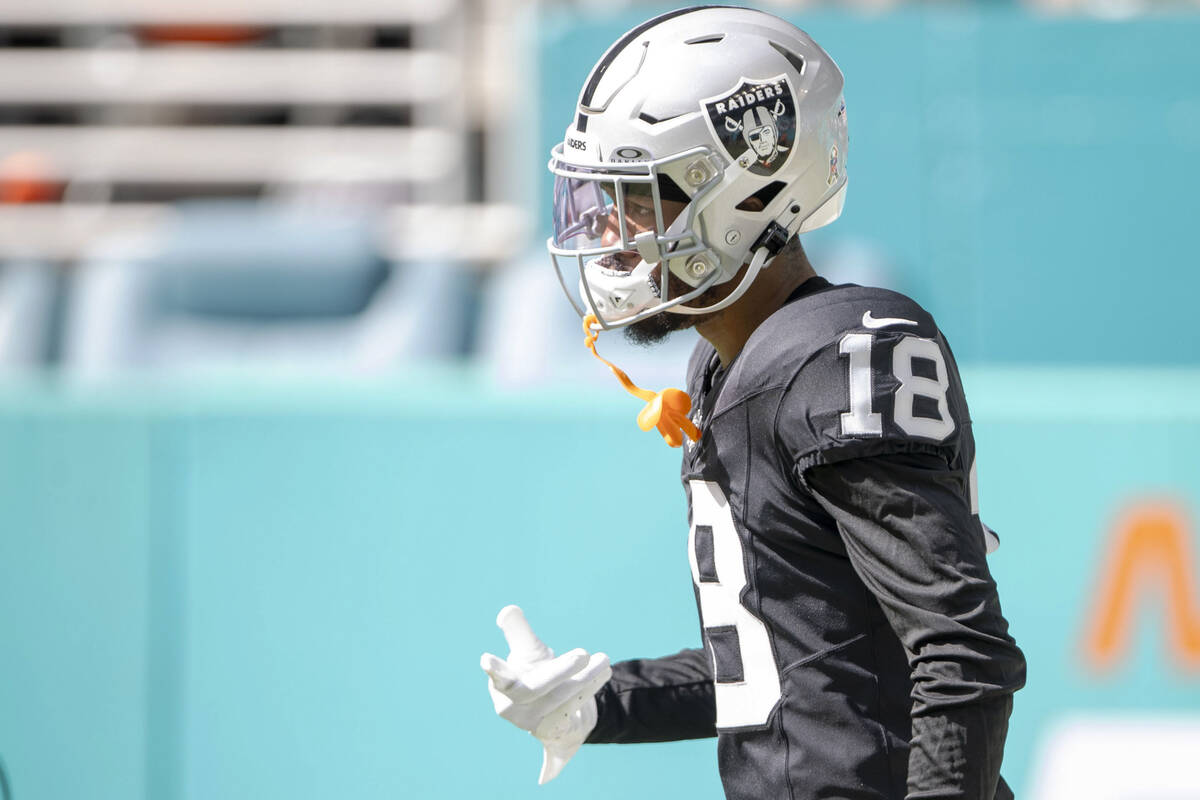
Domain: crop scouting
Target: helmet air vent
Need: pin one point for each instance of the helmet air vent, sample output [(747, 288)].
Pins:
[(713, 39), (794, 59), (762, 198), (668, 189), (644, 117)]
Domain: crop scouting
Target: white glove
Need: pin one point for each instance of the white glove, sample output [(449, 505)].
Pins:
[(552, 698)]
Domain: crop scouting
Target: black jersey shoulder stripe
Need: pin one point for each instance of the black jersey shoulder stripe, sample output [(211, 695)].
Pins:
[(611, 55)]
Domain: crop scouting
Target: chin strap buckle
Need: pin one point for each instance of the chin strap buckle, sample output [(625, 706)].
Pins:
[(774, 237)]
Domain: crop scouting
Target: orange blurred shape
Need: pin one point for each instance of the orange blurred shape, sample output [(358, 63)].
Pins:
[(200, 34), (27, 176), (1150, 552)]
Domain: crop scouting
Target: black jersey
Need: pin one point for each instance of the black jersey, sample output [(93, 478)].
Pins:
[(853, 640)]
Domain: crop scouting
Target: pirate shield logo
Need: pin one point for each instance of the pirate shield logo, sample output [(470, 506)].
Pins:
[(756, 123)]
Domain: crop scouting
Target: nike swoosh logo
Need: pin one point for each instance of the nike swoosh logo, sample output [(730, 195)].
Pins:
[(882, 322)]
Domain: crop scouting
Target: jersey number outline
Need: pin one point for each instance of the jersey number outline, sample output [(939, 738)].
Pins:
[(749, 700), (861, 420)]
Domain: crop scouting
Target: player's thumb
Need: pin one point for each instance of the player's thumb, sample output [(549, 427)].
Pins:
[(553, 761), (523, 644)]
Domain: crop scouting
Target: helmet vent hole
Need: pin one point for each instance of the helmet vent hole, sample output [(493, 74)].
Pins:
[(668, 189), (793, 59), (762, 198), (712, 39), (644, 117)]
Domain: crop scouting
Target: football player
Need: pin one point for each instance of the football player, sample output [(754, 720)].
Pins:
[(853, 642)]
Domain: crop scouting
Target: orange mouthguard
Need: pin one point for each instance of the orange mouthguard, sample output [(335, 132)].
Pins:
[(666, 410)]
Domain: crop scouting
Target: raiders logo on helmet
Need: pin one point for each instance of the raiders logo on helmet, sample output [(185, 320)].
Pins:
[(756, 123)]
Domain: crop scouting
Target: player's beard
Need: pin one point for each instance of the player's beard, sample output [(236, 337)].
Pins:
[(655, 330)]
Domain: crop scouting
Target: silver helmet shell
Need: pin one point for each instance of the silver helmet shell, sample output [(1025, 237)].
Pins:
[(742, 112)]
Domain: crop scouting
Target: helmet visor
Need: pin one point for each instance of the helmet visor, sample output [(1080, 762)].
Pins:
[(592, 213)]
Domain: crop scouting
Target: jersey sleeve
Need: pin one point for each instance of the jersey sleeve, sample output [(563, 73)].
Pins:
[(866, 392), (657, 700), (911, 537)]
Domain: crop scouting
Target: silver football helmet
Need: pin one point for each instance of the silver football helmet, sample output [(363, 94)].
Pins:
[(704, 139)]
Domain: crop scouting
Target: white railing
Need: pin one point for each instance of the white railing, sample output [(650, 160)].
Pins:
[(226, 76), (233, 154), (143, 132), (222, 12)]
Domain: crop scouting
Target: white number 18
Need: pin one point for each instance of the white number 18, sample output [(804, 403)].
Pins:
[(861, 420)]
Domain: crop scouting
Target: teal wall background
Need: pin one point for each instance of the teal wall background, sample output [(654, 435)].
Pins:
[(283, 592)]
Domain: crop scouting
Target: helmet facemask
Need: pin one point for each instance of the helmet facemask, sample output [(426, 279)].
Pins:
[(605, 214)]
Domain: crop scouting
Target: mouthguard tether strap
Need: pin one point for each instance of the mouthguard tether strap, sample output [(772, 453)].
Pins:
[(666, 410)]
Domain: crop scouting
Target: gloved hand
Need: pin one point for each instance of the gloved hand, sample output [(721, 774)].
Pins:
[(552, 698)]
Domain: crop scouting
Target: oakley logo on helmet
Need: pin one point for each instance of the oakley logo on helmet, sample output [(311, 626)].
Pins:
[(628, 154), (755, 123)]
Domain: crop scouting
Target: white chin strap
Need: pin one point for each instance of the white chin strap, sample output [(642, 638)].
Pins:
[(822, 215), (761, 256)]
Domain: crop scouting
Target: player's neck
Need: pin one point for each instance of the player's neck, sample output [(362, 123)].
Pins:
[(729, 330)]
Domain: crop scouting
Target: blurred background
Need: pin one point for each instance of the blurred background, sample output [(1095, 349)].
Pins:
[(291, 404)]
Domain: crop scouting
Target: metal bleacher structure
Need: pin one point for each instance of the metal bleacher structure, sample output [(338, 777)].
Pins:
[(117, 115)]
